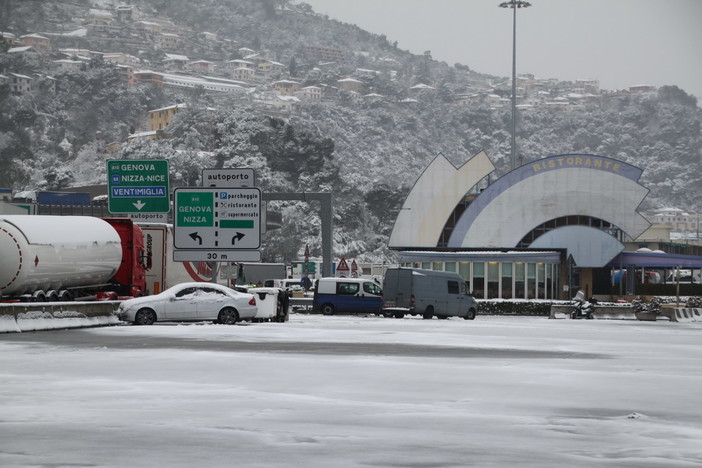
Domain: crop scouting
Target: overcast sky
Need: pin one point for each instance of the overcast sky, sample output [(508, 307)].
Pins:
[(619, 42)]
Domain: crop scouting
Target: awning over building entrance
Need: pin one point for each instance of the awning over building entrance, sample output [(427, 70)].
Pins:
[(655, 260)]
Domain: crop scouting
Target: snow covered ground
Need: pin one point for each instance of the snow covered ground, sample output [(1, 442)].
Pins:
[(356, 392)]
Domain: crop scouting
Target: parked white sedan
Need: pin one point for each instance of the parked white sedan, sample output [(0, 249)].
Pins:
[(190, 302)]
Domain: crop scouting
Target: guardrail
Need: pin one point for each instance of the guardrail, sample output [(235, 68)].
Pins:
[(301, 303), (34, 316)]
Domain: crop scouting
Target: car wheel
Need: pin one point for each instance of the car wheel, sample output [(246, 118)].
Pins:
[(328, 309), (145, 317), (429, 313), (470, 315), (228, 316)]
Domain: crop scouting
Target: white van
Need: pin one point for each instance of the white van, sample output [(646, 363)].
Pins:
[(289, 283), (427, 292), (346, 295)]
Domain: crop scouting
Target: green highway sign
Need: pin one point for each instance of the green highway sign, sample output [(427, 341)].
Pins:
[(195, 209), (138, 186)]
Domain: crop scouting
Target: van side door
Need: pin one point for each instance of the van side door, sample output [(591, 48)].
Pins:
[(454, 297), (347, 297), (372, 297)]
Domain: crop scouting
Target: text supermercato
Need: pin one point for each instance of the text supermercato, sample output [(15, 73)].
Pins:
[(576, 161)]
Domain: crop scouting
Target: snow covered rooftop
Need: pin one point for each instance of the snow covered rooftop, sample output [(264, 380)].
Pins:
[(19, 50), (177, 57), (34, 36), (421, 86)]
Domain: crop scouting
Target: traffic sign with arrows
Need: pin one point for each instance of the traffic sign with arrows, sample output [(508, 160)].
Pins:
[(138, 186), (217, 218)]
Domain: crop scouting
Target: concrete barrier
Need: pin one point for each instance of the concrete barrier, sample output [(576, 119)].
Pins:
[(20, 317), (623, 312), (673, 314), (684, 314)]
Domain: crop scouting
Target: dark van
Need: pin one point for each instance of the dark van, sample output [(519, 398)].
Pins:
[(428, 293)]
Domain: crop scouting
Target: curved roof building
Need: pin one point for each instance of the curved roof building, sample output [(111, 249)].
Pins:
[(579, 205)]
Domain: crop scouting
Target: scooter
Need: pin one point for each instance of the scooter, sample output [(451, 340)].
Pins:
[(583, 308)]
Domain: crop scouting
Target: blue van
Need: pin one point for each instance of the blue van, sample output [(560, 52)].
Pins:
[(347, 295)]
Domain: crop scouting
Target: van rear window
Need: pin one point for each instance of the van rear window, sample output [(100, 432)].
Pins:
[(453, 287), (346, 288)]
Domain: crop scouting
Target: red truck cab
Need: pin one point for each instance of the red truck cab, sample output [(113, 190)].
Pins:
[(130, 279)]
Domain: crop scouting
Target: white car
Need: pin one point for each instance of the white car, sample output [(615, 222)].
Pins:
[(189, 302)]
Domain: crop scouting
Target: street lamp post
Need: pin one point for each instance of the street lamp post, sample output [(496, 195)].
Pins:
[(514, 4)]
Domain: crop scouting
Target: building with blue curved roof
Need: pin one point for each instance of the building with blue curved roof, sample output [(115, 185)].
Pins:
[(536, 232)]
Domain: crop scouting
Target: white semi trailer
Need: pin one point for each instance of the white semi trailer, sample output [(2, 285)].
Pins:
[(65, 257)]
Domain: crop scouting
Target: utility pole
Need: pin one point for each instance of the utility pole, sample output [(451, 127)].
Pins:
[(514, 4)]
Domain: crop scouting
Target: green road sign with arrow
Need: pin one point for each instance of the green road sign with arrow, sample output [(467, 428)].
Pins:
[(138, 186)]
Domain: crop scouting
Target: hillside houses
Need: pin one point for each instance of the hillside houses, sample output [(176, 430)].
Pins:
[(160, 118), (20, 84), (38, 42), (120, 34), (28, 53), (175, 61)]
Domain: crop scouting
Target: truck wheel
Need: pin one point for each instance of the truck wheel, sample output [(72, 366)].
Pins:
[(52, 296), (399, 315), (38, 296), (145, 317), (429, 313), (328, 309), (65, 295), (228, 316), (470, 315)]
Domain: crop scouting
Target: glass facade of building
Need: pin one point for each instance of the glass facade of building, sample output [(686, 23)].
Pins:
[(494, 279)]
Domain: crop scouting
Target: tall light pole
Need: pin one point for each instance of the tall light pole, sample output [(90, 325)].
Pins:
[(514, 4)]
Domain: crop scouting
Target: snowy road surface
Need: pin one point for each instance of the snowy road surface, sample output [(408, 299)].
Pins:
[(355, 392)]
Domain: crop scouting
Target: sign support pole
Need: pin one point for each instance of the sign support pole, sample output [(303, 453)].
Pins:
[(325, 214)]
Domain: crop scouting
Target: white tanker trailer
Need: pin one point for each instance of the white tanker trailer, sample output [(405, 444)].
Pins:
[(44, 256)]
